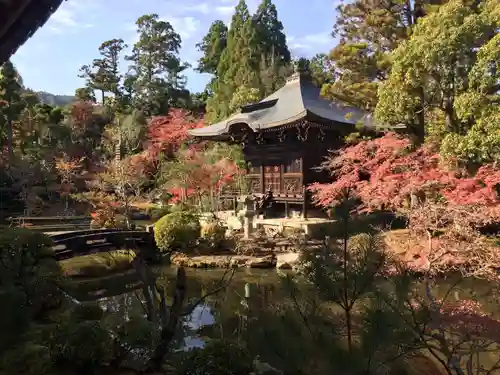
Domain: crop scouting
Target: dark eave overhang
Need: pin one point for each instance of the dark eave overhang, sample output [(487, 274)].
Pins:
[(19, 20)]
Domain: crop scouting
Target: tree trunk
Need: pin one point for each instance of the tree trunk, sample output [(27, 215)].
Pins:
[(10, 137), (451, 124), (419, 126), (168, 331)]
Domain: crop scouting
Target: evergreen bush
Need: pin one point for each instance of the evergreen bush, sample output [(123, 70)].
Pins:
[(177, 231)]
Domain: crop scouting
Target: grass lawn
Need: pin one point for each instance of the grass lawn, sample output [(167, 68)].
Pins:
[(98, 265), (141, 224)]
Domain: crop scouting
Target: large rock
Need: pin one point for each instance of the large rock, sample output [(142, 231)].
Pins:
[(287, 261), (234, 223), (238, 261), (268, 261)]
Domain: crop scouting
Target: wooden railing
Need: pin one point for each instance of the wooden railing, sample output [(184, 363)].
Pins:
[(51, 224)]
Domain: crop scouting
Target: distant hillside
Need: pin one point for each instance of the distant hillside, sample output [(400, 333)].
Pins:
[(55, 100)]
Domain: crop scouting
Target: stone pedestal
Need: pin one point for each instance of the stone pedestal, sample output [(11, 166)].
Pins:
[(248, 214)]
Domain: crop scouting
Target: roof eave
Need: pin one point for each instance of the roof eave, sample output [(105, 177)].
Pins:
[(24, 24)]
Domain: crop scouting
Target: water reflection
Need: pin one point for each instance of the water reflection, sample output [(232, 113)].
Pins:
[(239, 313)]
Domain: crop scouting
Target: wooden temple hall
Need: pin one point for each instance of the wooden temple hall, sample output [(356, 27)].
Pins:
[(284, 137)]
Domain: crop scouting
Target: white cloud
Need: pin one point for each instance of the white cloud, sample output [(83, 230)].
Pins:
[(185, 26), (63, 17), (318, 39), (68, 15), (310, 42), (225, 10), (203, 8)]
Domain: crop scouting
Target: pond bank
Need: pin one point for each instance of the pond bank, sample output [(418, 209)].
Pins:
[(98, 265), (280, 261)]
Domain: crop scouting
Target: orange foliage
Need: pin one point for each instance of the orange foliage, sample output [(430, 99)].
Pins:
[(167, 133), (67, 168)]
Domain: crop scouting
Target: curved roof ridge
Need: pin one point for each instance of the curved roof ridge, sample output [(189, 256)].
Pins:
[(294, 101)]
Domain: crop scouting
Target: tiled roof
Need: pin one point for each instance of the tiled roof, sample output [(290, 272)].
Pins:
[(298, 99)]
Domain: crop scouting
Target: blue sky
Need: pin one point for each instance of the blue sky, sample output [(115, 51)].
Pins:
[(50, 60)]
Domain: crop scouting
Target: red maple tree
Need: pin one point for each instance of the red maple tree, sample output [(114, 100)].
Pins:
[(446, 206), (167, 133), (194, 174)]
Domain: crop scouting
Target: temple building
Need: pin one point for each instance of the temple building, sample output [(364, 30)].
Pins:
[(284, 137), (19, 20)]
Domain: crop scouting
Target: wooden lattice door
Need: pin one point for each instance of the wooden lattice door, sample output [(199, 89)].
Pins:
[(272, 179)]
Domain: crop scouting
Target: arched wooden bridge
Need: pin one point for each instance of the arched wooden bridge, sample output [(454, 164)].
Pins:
[(85, 242)]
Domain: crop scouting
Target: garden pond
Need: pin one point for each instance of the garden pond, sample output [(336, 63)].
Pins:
[(249, 291)]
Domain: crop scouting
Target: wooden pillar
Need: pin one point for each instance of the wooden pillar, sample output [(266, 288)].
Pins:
[(287, 210), (305, 178), (262, 187), (304, 203), (282, 180)]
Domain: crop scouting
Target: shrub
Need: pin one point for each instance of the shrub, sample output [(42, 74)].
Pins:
[(14, 316), (27, 359), (216, 358), (87, 311), (23, 251), (138, 333), (83, 345), (177, 230), (27, 264)]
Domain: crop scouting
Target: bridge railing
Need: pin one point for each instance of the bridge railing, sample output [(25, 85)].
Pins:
[(51, 223), (67, 245), (61, 236)]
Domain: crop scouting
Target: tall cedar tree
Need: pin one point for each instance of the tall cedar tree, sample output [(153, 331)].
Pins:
[(256, 58), (11, 103), (238, 64), (273, 51), (270, 32), (368, 31), (155, 72), (212, 46)]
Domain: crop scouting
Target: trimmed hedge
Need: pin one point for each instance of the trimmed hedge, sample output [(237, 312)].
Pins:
[(177, 231)]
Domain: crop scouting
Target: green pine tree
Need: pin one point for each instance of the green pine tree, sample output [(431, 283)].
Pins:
[(85, 94), (156, 69), (368, 31), (452, 58), (11, 103), (95, 77), (110, 51)]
